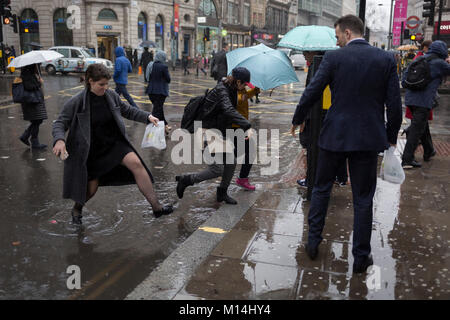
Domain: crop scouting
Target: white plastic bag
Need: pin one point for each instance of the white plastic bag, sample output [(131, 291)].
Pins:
[(391, 168), (154, 136)]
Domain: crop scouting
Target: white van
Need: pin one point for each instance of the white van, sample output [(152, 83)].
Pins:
[(76, 59)]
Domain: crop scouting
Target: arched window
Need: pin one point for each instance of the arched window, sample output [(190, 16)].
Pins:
[(159, 32), (207, 8), (62, 35), (107, 14), (142, 26), (29, 29)]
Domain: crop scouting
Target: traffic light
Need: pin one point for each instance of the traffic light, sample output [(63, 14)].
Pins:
[(6, 20), (413, 37), (428, 11), (14, 23), (5, 8), (207, 34), (406, 34)]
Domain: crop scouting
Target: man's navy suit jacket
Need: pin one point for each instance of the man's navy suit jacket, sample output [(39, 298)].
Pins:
[(363, 80)]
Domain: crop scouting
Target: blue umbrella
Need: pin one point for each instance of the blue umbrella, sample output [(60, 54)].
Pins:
[(268, 68), (310, 38)]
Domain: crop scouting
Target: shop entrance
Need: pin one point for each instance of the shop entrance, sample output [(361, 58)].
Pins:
[(106, 45)]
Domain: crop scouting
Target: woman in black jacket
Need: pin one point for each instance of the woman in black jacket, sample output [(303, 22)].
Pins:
[(219, 112), (33, 112)]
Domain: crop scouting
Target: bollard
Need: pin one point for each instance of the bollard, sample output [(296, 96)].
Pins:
[(140, 70)]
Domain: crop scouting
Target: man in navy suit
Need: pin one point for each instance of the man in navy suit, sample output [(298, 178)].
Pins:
[(363, 80)]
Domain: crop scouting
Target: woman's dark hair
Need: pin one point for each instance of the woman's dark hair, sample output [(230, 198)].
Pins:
[(96, 72), (355, 24), (231, 81), (426, 43)]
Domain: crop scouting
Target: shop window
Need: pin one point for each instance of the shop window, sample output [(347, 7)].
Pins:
[(29, 29), (62, 35), (142, 26)]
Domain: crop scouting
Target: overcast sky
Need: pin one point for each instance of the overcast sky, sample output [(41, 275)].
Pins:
[(377, 17)]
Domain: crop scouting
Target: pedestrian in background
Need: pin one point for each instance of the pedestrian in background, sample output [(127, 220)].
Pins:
[(219, 67), (135, 59), (107, 157), (36, 113), (122, 67), (305, 132), (242, 107), (420, 102), (220, 110), (158, 86), (185, 63), (145, 60), (200, 64), (353, 129)]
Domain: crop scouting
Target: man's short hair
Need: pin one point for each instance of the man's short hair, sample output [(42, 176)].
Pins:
[(225, 45), (351, 22)]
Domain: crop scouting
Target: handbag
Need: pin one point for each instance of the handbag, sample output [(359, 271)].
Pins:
[(20, 95)]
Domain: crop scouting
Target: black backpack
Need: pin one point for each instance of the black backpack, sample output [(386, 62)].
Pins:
[(192, 112), (418, 75)]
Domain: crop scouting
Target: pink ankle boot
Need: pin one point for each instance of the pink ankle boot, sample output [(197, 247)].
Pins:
[(244, 183)]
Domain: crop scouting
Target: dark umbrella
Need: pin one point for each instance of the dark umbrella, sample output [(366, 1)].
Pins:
[(147, 44), (34, 44)]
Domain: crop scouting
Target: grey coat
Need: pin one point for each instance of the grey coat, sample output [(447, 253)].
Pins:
[(75, 117)]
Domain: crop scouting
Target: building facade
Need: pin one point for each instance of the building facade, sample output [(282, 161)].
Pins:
[(103, 25), (319, 12)]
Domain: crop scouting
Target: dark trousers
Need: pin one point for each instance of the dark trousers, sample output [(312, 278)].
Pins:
[(158, 106), (248, 160), (419, 130), (32, 130), (215, 170), (122, 89), (363, 175)]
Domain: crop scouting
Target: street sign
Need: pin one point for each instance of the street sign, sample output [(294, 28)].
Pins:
[(201, 20), (413, 22)]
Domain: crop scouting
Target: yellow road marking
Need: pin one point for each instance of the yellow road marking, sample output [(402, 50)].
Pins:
[(212, 230)]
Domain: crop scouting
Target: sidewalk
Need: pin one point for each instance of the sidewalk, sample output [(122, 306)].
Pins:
[(259, 253)]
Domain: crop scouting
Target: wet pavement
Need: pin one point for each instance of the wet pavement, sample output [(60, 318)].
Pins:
[(206, 250), (120, 242)]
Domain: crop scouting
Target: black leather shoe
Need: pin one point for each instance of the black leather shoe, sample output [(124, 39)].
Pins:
[(183, 182), (164, 211), (76, 217), (223, 196), (428, 157), (312, 251), (361, 267), (25, 140), (410, 165)]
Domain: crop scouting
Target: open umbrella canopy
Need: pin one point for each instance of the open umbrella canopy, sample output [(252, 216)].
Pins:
[(407, 47), (310, 38), (147, 44), (35, 56), (268, 68)]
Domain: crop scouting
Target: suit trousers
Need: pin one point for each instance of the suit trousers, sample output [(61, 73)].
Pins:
[(363, 177), (418, 131), (122, 89)]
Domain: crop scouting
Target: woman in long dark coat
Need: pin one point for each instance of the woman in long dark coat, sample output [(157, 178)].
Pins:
[(33, 112), (99, 152), (158, 78)]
